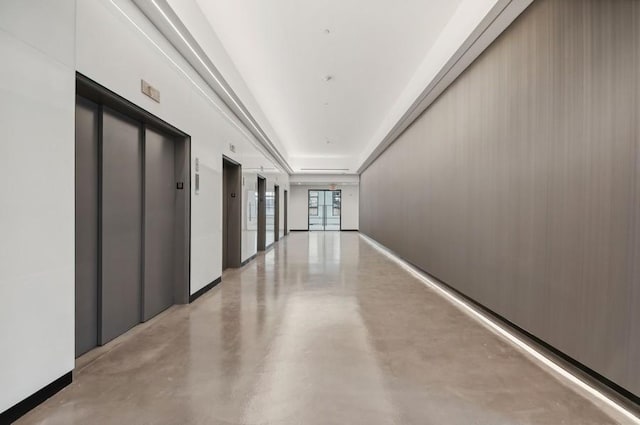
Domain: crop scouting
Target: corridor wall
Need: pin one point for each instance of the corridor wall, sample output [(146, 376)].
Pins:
[(43, 44), (37, 92), (519, 185), (117, 46)]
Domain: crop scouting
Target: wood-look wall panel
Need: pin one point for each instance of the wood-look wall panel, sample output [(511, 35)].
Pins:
[(634, 252), (519, 185)]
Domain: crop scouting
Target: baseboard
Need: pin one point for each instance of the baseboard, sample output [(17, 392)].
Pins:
[(299, 230), (245, 262), (349, 230), (202, 291), (13, 413)]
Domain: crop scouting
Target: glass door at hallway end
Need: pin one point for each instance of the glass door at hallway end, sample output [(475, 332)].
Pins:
[(325, 209)]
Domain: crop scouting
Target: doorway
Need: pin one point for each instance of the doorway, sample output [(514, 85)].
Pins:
[(325, 209), (231, 213), (262, 213), (132, 216)]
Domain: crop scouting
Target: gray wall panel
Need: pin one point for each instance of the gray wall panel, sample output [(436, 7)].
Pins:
[(159, 223), (634, 251), (121, 225), (518, 186)]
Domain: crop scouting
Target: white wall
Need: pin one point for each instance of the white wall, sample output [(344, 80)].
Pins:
[(42, 44), (191, 15), (309, 179), (250, 221), (113, 51), (274, 177), (299, 214), (37, 86)]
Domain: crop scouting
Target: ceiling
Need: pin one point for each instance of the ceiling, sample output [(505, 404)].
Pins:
[(326, 73)]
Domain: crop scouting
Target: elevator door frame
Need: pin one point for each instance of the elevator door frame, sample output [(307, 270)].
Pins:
[(87, 222), (324, 225), (104, 98)]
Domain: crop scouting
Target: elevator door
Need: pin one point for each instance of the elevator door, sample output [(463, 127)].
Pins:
[(86, 225), (159, 222), (132, 216), (276, 219), (286, 213), (325, 209), (262, 214), (121, 234), (231, 214)]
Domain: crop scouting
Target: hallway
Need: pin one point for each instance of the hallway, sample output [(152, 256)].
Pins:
[(322, 329)]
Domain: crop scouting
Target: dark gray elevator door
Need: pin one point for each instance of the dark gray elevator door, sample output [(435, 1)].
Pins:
[(160, 199), (276, 203), (262, 213), (286, 213), (86, 225), (231, 214), (121, 225)]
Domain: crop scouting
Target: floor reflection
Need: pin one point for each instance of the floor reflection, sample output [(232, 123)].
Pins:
[(320, 329)]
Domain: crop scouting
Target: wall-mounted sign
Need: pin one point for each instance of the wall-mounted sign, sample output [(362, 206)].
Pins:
[(232, 147), (150, 91)]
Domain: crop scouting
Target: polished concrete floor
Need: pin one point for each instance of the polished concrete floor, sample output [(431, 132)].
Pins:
[(323, 329)]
